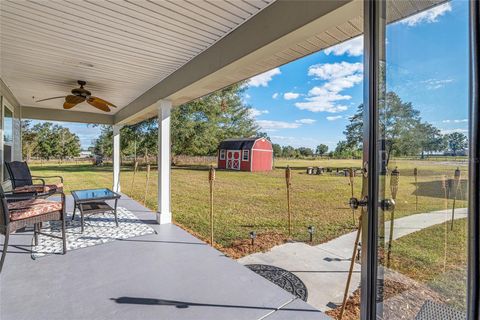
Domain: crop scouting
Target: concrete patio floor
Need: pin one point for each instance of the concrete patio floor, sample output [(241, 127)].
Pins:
[(168, 275)]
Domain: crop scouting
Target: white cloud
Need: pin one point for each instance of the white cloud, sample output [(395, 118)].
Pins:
[(306, 121), (263, 79), (337, 77), (275, 95), (333, 118), (433, 84), (272, 125), (256, 112), (295, 141), (447, 131), (352, 47), (428, 16), (247, 96), (455, 121), (290, 95)]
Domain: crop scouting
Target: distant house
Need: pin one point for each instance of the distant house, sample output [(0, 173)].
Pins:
[(247, 154)]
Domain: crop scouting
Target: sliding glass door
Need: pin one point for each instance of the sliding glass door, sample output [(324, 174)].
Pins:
[(415, 259)]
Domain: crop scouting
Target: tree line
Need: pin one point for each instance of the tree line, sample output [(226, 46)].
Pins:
[(47, 140), (196, 127), (403, 132)]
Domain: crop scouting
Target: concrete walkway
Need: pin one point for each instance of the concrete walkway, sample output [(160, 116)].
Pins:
[(323, 268)]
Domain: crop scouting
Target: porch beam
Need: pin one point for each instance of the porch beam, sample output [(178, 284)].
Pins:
[(116, 158), (51, 114), (164, 213)]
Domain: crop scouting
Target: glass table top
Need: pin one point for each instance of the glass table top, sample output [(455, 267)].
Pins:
[(93, 194)]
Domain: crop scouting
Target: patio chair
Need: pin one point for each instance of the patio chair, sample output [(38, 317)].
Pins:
[(432, 311), (22, 180), (17, 213)]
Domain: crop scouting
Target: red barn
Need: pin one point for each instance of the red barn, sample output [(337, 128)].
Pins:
[(248, 154)]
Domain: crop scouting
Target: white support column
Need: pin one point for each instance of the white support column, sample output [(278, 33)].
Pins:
[(116, 158), (164, 213)]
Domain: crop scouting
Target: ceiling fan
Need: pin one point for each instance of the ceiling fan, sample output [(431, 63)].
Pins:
[(80, 95)]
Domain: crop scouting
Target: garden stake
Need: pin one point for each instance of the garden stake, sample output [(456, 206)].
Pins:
[(394, 179), (352, 264), (415, 174), (135, 167), (211, 179), (457, 184), (146, 184), (288, 180), (444, 186)]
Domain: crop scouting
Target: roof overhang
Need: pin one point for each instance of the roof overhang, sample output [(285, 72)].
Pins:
[(281, 32)]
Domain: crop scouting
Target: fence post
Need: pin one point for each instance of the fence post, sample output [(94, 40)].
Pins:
[(135, 167)]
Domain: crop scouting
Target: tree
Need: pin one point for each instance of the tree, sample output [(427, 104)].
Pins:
[(456, 141), (289, 152), (400, 126), (46, 140), (277, 150), (199, 126), (429, 138), (305, 152), (322, 149)]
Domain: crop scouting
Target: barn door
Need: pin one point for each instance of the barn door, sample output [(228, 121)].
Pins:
[(233, 159)]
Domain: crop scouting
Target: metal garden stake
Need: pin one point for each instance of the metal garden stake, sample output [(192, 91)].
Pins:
[(288, 180), (394, 180), (457, 184), (211, 179)]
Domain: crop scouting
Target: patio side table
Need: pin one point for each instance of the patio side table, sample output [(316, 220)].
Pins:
[(93, 201)]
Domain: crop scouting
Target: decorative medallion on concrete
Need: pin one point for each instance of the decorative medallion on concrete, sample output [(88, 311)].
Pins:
[(282, 278), (99, 228)]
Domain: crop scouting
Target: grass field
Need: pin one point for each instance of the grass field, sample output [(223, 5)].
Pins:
[(257, 201)]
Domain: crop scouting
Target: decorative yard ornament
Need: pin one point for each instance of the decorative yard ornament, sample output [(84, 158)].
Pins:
[(288, 181), (146, 184), (253, 235), (211, 179), (394, 181), (456, 178), (311, 231), (415, 174)]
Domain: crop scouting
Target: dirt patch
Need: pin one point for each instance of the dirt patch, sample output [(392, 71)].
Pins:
[(263, 242), (402, 299), (240, 248)]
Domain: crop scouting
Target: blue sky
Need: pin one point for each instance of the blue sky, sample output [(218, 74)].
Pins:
[(309, 101)]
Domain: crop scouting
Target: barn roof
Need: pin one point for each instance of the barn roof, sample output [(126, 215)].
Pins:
[(237, 144)]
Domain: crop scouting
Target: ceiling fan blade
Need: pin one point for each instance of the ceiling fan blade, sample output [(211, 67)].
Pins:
[(50, 98), (104, 101), (98, 104), (67, 105), (71, 99)]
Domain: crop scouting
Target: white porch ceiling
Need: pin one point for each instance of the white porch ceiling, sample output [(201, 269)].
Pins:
[(135, 52), (121, 48)]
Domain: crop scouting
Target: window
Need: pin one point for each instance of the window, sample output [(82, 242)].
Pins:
[(245, 155), (222, 154)]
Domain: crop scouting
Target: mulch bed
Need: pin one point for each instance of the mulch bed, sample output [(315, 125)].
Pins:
[(402, 299), (240, 248)]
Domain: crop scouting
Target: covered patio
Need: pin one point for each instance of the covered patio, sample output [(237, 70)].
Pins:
[(146, 58), (166, 275)]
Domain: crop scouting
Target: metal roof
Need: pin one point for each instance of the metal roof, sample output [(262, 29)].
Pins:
[(238, 144)]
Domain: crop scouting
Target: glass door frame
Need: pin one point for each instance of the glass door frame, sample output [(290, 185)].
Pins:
[(374, 51)]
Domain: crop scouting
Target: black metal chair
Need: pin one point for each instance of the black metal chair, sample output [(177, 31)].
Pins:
[(435, 311), (22, 180), (17, 212)]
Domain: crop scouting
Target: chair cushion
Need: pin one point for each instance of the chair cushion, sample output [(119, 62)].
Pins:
[(30, 208), (40, 188)]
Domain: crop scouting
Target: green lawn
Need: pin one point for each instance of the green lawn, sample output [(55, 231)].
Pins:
[(436, 256), (257, 201)]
